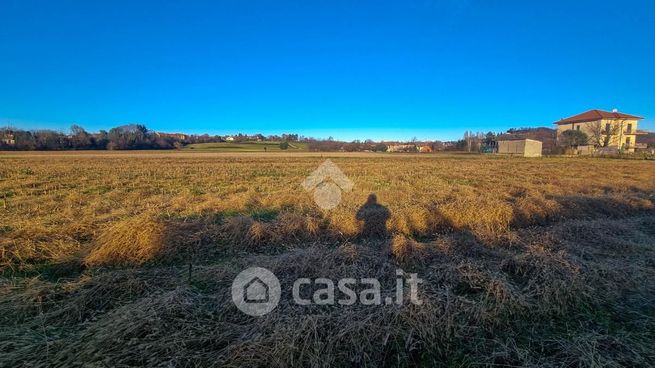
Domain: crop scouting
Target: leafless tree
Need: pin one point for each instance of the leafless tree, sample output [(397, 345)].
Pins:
[(600, 135)]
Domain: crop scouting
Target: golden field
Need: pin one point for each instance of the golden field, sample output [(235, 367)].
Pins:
[(126, 259)]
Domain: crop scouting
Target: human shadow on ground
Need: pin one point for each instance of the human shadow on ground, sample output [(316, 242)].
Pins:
[(375, 217)]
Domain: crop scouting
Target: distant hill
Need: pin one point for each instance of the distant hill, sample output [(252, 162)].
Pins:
[(648, 139)]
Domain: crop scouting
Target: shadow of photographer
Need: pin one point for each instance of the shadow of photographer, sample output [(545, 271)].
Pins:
[(375, 217)]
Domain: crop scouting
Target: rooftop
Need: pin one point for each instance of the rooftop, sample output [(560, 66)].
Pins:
[(593, 115)]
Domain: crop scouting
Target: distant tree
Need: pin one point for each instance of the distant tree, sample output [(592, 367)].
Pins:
[(324, 145), (26, 141), (101, 139), (460, 145), (284, 145), (290, 137), (380, 147), (437, 146), (50, 140), (469, 138), (127, 137), (80, 139), (489, 139), (133, 136)]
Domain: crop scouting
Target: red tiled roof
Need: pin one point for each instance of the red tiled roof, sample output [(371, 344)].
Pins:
[(593, 115)]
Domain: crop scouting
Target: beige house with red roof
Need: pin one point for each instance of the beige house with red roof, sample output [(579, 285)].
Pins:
[(604, 128)]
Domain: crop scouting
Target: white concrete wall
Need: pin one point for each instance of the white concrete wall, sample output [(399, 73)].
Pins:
[(524, 147)]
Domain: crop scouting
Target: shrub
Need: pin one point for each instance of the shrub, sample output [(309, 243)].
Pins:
[(573, 138)]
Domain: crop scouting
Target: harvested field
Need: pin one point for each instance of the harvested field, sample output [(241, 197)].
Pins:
[(525, 262)]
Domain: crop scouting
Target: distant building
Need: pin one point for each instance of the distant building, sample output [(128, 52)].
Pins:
[(520, 147), (7, 138), (448, 145), (401, 148), (604, 129), (179, 136)]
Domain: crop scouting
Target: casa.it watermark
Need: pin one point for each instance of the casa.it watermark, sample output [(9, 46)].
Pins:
[(256, 291)]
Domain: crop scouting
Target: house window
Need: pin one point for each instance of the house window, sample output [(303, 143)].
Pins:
[(629, 128), (608, 127), (627, 141)]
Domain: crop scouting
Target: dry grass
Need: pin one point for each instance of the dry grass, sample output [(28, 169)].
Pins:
[(527, 262)]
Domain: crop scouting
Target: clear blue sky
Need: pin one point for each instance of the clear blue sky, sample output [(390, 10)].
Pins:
[(349, 69)]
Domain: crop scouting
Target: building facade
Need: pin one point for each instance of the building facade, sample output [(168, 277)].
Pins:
[(7, 138), (402, 148), (604, 128)]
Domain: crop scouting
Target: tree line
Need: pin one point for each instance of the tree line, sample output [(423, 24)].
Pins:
[(125, 137), (138, 137)]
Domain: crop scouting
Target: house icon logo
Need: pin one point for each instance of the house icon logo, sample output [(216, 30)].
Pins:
[(256, 291), (327, 182)]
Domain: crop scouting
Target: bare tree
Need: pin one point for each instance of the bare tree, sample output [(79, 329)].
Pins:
[(468, 138), (601, 136), (80, 139)]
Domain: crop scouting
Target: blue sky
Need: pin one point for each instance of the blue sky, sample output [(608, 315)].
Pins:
[(348, 69)]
